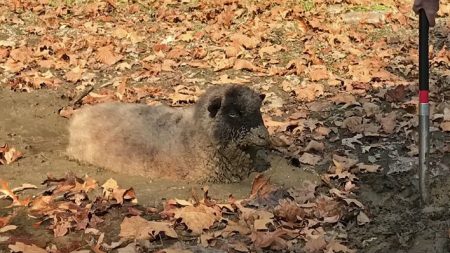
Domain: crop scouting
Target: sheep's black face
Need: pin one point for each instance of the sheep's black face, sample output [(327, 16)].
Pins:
[(238, 118)]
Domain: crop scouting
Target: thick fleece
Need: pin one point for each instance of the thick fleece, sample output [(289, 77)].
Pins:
[(207, 142)]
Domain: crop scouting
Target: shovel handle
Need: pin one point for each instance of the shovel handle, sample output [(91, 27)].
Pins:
[(424, 108), (423, 53)]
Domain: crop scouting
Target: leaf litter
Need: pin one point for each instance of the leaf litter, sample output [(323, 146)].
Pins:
[(313, 56)]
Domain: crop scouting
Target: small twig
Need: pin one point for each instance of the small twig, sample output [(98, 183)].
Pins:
[(83, 94)]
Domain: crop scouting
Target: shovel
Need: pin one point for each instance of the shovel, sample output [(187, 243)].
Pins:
[(424, 106)]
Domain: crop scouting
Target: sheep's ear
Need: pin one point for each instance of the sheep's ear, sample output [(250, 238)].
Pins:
[(262, 96), (214, 106)]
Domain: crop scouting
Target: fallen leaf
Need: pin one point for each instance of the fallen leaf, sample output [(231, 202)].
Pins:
[(246, 65), (350, 141), (315, 245), (335, 246), (368, 167), (362, 218), (136, 227), (197, 218), (245, 41), (389, 122), (396, 94), (310, 159), (25, 248), (445, 126), (371, 109), (315, 145), (7, 228), (239, 247), (318, 72), (353, 124), (74, 75), (168, 65), (270, 240), (67, 112), (344, 98), (9, 155), (304, 192), (269, 50), (223, 64), (107, 56), (4, 188)]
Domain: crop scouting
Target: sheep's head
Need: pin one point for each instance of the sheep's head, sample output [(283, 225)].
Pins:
[(234, 116)]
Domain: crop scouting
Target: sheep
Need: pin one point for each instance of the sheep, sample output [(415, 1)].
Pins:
[(215, 140)]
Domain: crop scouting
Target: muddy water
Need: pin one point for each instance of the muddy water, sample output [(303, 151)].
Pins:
[(30, 122)]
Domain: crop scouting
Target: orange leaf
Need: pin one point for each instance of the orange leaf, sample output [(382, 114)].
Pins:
[(107, 56)]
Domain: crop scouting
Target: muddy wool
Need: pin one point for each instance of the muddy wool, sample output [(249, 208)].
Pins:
[(212, 141)]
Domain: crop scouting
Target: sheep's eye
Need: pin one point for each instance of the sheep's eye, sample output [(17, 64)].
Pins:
[(233, 115)]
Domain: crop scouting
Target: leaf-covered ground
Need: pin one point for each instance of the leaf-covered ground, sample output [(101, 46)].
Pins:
[(341, 84)]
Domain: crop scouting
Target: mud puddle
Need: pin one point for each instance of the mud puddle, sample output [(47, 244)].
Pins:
[(30, 122)]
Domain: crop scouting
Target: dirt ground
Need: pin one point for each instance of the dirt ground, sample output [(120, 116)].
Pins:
[(400, 223), (31, 121)]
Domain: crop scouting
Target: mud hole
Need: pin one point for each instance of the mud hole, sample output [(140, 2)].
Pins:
[(399, 223)]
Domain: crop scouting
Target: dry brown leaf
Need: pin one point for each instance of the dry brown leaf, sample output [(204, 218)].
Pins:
[(61, 229), (263, 218), (67, 112), (246, 65), (445, 126), (232, 51), (353, 124), (261, 186), (396, 94), (310, 92), (315, 145), (108, 187), (310, 159), (299, 65), (362, 218), (22, 54), (4, 188), (368, 167), (235, 227), (318, 72), (345, 162), (74, 75), (335, 246), (239, 247), (270, 240), (4, 221), (289, 211), (197, 218), (245, 41), (223, 64), (25, 248), (304, 192), (315, 245), (136, 227), (389, 122), (9, 155), (224, 79), (323, 131), (371, 109), (344, 98), (168, 65), (270, 50), (7, 228), (4, 53), (107, 55), (13, 66)]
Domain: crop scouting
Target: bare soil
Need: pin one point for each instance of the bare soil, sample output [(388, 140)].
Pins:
[(399, 222)]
